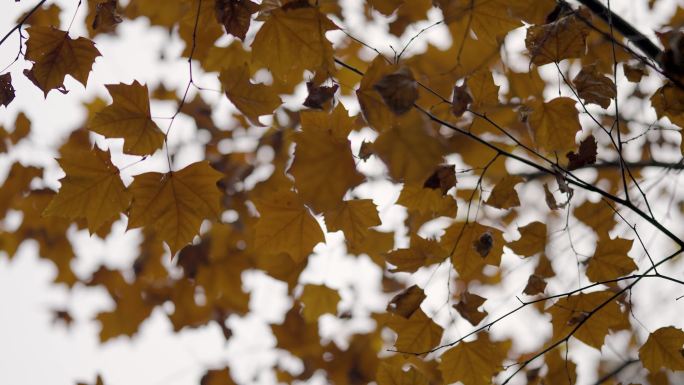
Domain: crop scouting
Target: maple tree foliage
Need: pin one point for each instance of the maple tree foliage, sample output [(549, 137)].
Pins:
[(536, 176)]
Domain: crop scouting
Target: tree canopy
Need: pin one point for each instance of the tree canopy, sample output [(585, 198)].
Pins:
[(508, 168)]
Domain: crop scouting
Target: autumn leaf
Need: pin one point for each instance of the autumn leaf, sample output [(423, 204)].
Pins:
[(423, 252), (535, 285), (129, 117), (460, 100), (91, 189), (54, 55), (418, 333), (503, 195), (489, 19), (426, 201), (444, 178), (482, 88), (318, 300), (253, 100), (399, 90), (468, 243), (585, 156), (322, 150), (532, 240), (354, 218), (555, 124), (407, 302), (562, 39), (468, 305), (393, 374), (293, 40), (106, 16), (610, 260), (319, 95), (409, 150), (176, 203), (374, 109), (473, 362), (663, 348), (569, 312), (560, 368), (286, 226), (594, 87), (6, 89), (235, 16)]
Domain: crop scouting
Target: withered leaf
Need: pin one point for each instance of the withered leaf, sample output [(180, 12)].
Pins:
[(535, 285), (106, 16), (594, 87), (562, 39), (235, 15), (406, 302), (399, 90), (319, 95), (585, 156), (483, 244), (6, 89), (444, 178), (461, 100), (468, 306)]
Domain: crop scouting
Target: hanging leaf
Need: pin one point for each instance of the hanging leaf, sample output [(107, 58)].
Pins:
[(555, 124), (585, 156), (54, 55), (319, 95), (610, 260), (473, 362), (253, 100), (318, 300), (235, 15), (562, 39), (407, 302), (399, 90), (129, 117), (594, 87), (176, 203), (663, 349), (503, 195), (6, 89), (468, 306), (91, 189)]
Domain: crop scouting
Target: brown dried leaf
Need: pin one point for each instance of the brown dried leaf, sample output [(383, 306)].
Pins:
[(406, 302), (444, 178), (467, 308), (6, 89), (586, 154), (399, 90), (235, 15), (461, 100), (594, 87), (319, 95), (106, 16), (535, 285)]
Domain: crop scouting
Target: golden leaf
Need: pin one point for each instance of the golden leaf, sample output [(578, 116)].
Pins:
[(503, 195), (354, 218), (663, 348), (323, 150), (594, 87), (423, 252), (286, 226), (568, 312), (253, 100), (128, 117), (56, 55), (293, 40), (176, 203), (474, 362), (407, 302), (91, 189), (562, 39), (555, 124), (318, 300), (468, 305), (417, 334), (610, 260), (532, 240), (464, 240)]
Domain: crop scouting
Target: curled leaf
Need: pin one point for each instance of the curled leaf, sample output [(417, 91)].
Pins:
[(6, 89), (461, 100), (399, 90)]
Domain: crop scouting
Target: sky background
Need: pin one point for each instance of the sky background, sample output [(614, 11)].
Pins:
[(36, 350)]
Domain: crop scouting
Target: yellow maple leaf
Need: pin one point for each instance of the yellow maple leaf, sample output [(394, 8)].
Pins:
[(176, 203), (253, 100), (568, 312), (293, 40), (427, 201), (562, 39), (417, 334), (610, 260), (474, 362), (663, 348), (323, 150), (377, 113), (286, 226), (503, 195), (318, 300), (408, 148), (199, 32), (555, 124), (532, 240), (423, 252), (129, 117), (55, 54), (354, 218), (489, 19), (473, 246), (560, 369), (91, 189), (391, 373)]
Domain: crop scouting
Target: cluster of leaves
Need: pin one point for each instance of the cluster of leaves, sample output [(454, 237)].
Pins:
[(460, 109)]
